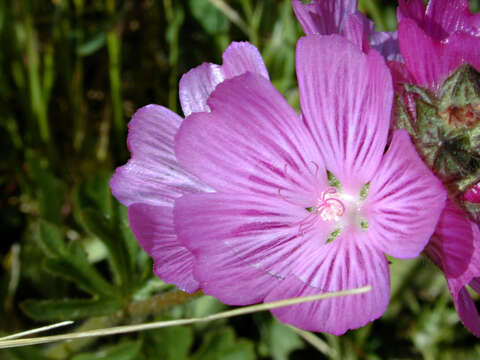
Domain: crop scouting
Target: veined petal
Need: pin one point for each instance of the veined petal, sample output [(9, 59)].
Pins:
[(152, 175), (307, 16), (430, 62), (404, 201), (452, 16), (355, 29), (455, 248), (412, 9), (241, 232), (346, 263), (346, 98), (242, 57), (153, 228), (467, 311), (251, 142), (197, 84), (323, 16)]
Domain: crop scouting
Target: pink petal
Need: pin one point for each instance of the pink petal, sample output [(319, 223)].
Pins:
[(197, 85), (230, 234), (323, 16), (242, 57), (451, 16), (467, 311), (355, 29), (413, 9), (473, 195), (153, 228), (455, 248), (152, 175), (429, 61), (404, 201), (307, 16), (255, 143), (346, 99), (346, 263)]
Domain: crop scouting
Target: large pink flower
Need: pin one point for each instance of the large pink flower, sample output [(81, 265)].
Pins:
[(152, 179), (434, 41), (277, 226), (327, 17)]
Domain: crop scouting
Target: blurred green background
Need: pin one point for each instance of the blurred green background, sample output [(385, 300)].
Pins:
[(72, 74)]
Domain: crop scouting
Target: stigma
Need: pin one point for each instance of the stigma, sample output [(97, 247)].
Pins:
[(329, 206)]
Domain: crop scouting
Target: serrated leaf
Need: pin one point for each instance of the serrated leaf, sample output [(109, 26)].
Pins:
[(124, 351), (51, 239), (76, 268), (69, 309)]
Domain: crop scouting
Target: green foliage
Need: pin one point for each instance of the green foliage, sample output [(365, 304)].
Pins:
[(123, 351), (223, 345)]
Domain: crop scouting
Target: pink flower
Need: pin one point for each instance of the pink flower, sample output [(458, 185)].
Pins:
[(327, 17), (437, 39), (455, 248), (276, 225), (152, 179)]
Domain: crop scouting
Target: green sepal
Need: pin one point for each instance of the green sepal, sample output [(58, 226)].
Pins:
[(403, 118), (426, 95), (460, 89)]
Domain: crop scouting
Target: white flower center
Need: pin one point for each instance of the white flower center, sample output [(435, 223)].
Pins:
[(330, 206)]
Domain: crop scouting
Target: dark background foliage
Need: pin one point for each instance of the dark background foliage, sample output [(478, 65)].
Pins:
[(72, 72)]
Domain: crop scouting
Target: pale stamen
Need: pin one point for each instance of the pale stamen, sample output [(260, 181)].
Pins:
[(329, 207)]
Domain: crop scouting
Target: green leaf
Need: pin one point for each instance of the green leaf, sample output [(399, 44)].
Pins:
[(69, 309), (280, 340), (49, 190), (222, 345), (124, 351), (76, 268), (51, 239), (107, 231), (211, 19), (172, 343), (94, 193), (25, 353), (92, 45)]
